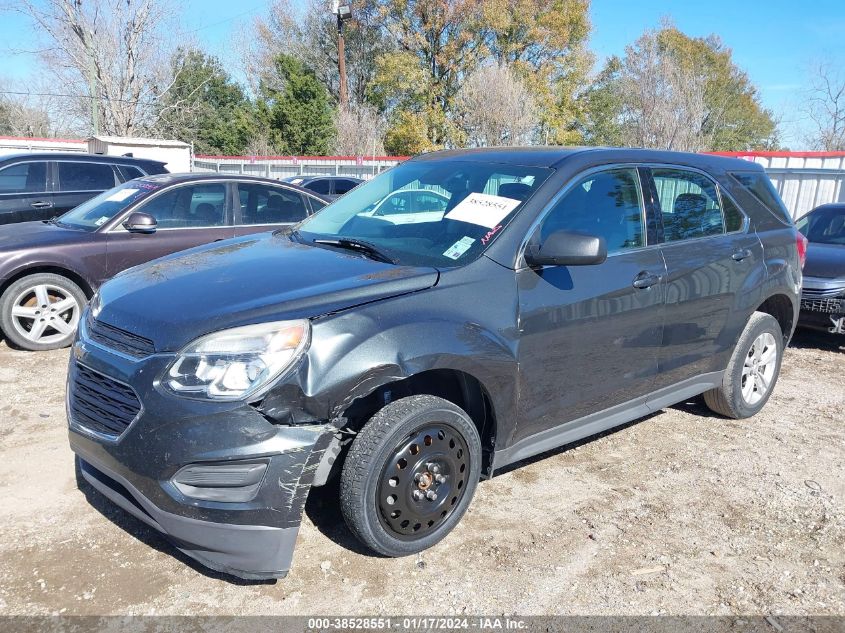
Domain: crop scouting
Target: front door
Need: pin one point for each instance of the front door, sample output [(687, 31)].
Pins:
[(590, 335), (187, 215)]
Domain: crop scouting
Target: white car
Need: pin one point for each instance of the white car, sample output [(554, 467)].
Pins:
[(410, 206)]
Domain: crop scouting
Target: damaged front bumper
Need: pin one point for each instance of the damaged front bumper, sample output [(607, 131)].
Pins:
[(226, 485)]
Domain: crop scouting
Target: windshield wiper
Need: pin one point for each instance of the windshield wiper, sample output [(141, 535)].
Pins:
[(370, 250)]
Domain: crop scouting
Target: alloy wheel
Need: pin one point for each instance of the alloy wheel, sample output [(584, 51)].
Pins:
[(759, 368), (45, 313)]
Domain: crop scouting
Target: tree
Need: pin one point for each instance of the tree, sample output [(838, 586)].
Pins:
[(826, 108), (19, 116), (439, 42), (112, 53), (496, 108), (313, 40), (544, 42), (672, 91), (298, 114), (205, 107), (359, 131)]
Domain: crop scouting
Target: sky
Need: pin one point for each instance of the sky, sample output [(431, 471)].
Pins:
[(775, 41)]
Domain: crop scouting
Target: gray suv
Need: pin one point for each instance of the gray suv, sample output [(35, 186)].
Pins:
[(43, 186), (557, 294)]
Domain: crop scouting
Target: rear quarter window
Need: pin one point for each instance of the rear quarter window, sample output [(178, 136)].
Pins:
[(759, 186)]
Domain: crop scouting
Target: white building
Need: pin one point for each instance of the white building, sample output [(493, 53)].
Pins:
[(176, 154)]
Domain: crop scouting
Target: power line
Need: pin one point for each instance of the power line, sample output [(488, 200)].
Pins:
[(69, 96)]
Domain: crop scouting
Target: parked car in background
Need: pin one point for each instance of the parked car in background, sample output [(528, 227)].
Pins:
[(42, 186), (823, 296), (331, 186), (49, 269), (560, 293), (409, 206)]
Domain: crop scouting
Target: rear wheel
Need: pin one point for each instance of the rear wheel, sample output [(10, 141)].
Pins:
[(752, 371), (410, 475), (41, 311)]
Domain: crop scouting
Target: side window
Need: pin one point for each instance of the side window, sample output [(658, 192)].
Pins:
[(263, 204), (189, 206), (342, 186), (759, 185), (85, 176), (24, 178), (316, 205), (396, 204), (689, 204), (734, 218), (130, 172), (320, 186), (606, 204)]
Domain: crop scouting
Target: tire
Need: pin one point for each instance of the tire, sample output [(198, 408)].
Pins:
[(447, 464), (28, 324), (741, 394)]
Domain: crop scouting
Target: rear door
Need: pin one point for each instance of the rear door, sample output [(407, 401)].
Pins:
[(265, 207), (188, 215), (75, 182), (590, 335), (24, 192), (709, 256)]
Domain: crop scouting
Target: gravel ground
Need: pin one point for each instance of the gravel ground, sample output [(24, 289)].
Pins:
[(682, 512)]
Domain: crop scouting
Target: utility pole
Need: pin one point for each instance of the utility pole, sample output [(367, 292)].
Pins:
[(92, 86), (343, 11)]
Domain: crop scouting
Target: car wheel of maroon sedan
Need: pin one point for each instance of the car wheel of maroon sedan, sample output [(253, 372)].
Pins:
[(41, 311)]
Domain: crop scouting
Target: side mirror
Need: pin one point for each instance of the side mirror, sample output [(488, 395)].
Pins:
[(139, 222), (563, 248)]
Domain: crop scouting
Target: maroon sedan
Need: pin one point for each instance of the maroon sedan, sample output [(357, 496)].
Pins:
[(49, 269)]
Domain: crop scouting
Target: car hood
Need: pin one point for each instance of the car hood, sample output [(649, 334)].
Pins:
[(246, 280), (825, 261), (27, 235)]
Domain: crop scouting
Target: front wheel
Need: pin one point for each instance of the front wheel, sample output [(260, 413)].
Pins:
[(752, 370), (410, 475), (41, 311)]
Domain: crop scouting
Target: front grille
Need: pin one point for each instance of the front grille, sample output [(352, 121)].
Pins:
[(814, 293), (829, 306), (119, 340), (100, 404)]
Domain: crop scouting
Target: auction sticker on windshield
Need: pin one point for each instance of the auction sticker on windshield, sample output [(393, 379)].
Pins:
[(483, 209), (459, 248), (121, 195)]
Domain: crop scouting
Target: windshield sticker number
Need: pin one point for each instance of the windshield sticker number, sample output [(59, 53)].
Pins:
[(120, 196), (101, 221), (483, 209), (459, 248)]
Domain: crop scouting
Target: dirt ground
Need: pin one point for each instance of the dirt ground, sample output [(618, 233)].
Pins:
[(680, 513)]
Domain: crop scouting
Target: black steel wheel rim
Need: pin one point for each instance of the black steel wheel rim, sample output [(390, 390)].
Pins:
[(423, 481)]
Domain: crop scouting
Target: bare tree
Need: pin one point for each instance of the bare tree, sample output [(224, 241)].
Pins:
[(360, 131), (311, 37), (663, 103), (109, 56), (825, 107), (495, 108), (23, 114)]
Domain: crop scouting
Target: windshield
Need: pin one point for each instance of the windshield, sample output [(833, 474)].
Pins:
[(91, 215), (429, 213), (824, 226)]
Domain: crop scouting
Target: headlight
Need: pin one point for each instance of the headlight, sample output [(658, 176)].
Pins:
[(236, 364)]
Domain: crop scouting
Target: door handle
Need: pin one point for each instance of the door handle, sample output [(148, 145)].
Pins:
[(645, 280), (40, 204), (741, 254)]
